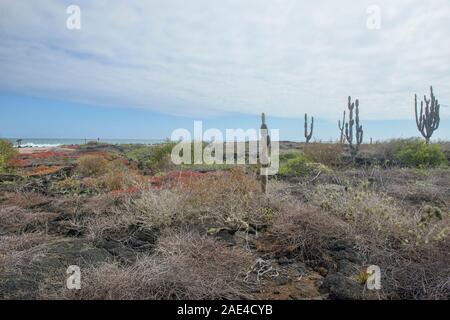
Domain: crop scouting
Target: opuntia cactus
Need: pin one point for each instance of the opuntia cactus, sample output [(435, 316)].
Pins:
[(354, 147), (308, 136), (264, 153), (428, 120)]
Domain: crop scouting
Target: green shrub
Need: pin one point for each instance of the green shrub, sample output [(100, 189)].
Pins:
[(388, 150), (160, 156), (140, 155), (287, 156), (153, 157), (419, 154), (300, 165), (7, 154)]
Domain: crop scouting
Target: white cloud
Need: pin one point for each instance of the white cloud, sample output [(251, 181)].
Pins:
[(212, 57)]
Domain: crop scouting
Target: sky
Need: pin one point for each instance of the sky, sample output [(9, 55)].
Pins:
[(140, 69)]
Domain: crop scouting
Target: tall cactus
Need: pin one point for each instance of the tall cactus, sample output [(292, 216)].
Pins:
[(428, 120), (354, 147), (264, 153), (341, 128), (308, 136)]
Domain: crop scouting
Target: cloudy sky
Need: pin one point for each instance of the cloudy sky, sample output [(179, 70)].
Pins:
[(212, 59)]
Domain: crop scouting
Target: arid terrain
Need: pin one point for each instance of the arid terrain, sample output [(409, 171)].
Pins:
[(140, 227)]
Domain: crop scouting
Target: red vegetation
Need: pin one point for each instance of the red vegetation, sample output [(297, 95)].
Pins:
[(179, 178), (108, 156), (44, 155), (18, 163), (42, 171)]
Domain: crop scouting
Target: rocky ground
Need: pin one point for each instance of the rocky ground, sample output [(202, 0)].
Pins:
[(154, 231)]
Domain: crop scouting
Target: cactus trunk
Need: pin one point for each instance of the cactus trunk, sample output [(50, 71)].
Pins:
[(264, 155), (353, 122), (428, 119), (308, 136)]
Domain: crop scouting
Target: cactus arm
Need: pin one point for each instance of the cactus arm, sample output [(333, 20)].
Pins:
[(359, 135), (341, 128), (415, 109), (306, 127), (359, 130), (438, 118), (346, 130), (308, 136)]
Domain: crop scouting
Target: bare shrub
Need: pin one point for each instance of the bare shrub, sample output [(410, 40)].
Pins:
[(227, 200), (13, 248), (411, 247), (419, 192), (21, 242), (303, 231), (114, 225), (159, 208), (92, 165), (329, 154), (15, 219), (119, 180), (232, 200), (376, 214), (421, 273), (112, 215), (26, 200), (185, 265), (105, 203)]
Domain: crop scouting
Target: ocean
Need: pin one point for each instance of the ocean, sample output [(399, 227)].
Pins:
[(33, 142)]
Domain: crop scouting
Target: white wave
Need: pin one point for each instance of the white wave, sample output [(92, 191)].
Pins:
[(39, 145)]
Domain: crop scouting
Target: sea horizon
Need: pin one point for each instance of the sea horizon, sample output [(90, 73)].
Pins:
[(56, 142)]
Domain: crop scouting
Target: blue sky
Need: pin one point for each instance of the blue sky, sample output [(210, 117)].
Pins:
[(142, 69), (28, 117)]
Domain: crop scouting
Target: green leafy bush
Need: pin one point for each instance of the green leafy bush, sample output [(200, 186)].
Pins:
[(300, 165), (419, 154), (388, 150), (160, 156), (140, 155), (7, 154), (153, 157)]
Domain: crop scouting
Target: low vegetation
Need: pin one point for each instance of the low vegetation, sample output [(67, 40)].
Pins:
[(184, 265), (141, 228), (420, 154), (7, 155), (91, 165)]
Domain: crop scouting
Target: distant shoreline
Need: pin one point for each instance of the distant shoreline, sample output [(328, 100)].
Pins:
[(55, 143)]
